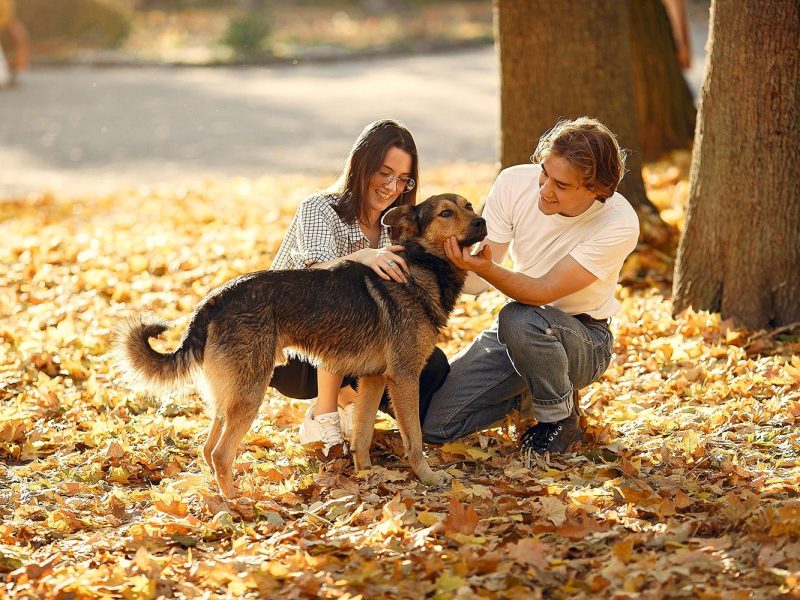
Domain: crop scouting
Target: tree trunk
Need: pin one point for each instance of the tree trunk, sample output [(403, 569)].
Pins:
[(740, 252), (665, 112), (565, 60)]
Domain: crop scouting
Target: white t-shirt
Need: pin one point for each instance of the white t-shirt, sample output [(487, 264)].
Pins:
[(599, 239)]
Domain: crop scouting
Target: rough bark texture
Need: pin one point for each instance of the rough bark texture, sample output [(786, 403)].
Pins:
[(665, 112), (740, 252), (565, 60)]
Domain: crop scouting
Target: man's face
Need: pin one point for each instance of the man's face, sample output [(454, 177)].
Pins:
[(560, 189)]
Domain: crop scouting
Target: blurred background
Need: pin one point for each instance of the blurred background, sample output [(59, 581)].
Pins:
[(121, 92)]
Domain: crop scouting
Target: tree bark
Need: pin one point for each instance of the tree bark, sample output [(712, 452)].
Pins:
[(665, 112), (565, 60), (740, 252)]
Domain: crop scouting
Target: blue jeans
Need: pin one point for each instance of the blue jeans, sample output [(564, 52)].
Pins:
[(538, 348)]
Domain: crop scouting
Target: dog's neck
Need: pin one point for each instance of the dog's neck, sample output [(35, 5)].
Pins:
[(449, 278)]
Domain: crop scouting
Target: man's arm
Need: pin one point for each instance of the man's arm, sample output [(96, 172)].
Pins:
[(566, 277), (474, 284)]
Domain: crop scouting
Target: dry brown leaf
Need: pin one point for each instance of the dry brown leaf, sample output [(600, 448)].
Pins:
[(461, 518), (530, 552)]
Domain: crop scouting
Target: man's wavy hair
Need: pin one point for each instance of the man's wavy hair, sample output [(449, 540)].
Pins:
[(590, 148), (365, 159)]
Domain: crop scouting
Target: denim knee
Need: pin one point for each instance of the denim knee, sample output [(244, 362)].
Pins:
[(517, 322), (437, 434)]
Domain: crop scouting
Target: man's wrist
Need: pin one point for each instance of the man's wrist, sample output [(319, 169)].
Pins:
[(487, 271)]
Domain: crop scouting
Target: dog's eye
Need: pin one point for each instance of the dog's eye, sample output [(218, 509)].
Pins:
[(468, 206), (446, 213)]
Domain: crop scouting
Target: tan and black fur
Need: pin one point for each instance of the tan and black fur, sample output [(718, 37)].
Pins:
[(345, 318)]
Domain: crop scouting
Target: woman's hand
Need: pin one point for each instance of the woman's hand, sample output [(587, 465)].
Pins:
[(385, 262)]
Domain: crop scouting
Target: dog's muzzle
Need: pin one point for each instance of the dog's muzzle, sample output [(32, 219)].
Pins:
[(475, 233)]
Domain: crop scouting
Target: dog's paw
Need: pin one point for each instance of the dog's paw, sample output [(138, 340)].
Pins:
[(361, 463), (436, 478), (226, 487)]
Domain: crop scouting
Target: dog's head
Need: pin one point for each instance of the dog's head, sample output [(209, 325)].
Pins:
[(435, 220)]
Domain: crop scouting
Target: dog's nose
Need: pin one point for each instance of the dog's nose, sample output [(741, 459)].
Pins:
[(479, 222)]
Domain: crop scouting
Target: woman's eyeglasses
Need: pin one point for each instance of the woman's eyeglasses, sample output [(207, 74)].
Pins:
[(405, 183)]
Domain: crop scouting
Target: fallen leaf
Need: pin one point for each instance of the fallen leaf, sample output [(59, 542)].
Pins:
[(530, 552), (553, 510), (461, 518)]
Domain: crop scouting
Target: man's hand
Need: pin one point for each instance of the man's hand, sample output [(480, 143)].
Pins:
[(461, 257), (566, 277)]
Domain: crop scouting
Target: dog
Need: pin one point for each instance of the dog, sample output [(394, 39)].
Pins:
[(344, 318)]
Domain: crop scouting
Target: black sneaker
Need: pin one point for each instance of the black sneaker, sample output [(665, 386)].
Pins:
[(550, 437)]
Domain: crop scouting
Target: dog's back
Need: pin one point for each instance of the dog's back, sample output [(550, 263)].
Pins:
[(345, 317)]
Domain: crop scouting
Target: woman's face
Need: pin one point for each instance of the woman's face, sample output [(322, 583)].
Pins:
[(380, 193)]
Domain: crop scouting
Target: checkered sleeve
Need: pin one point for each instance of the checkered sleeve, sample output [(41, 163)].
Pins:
[(314, 233)]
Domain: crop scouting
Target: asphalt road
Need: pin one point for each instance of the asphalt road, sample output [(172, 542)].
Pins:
[(85, 130)]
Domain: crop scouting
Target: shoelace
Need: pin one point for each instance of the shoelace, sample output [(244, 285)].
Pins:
[(346, 420), (535, 441), (331, 435), (540, 437)]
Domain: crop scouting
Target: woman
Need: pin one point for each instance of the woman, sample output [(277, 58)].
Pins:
[(344, 223)]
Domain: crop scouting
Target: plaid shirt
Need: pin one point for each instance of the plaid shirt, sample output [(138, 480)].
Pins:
[(317, 234)]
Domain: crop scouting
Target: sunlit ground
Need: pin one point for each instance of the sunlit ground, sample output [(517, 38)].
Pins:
[(685, 487)]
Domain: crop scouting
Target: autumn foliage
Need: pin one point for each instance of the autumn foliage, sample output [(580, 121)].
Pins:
[(687, 486)]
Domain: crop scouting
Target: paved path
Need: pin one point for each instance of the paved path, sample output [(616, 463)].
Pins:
[(85, 130)]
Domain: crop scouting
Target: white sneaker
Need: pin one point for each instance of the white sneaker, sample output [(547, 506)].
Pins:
[(322, 428), (346, 416)]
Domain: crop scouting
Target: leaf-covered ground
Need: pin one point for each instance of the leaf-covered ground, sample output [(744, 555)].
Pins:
[(687, 486)]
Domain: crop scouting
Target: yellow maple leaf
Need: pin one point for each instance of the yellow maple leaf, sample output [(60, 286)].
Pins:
[(429, 518), (466, 451), (623, 549), (170, 503), (448, 582), (793, 368)]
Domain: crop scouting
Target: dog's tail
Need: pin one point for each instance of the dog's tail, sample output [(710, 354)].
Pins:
[(143, 365)]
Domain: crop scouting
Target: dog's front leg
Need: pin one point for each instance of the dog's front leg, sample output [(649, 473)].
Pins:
[(370, 390), (405, 396)]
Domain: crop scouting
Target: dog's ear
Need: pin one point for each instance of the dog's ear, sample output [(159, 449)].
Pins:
[(402, 221)]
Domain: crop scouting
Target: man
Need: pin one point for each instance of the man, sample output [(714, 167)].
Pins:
[(571, 233)]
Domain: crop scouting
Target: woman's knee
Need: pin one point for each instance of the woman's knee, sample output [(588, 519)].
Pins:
[(295, 379), (431, 379), (435, 370)]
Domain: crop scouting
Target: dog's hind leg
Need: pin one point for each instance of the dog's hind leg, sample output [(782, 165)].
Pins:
[(240, 412), (214, 431), (405, 396), (370, 390), (237, 376)]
